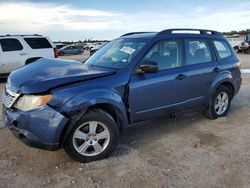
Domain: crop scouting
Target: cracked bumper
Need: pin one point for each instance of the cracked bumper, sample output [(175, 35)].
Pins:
[(39, 128)]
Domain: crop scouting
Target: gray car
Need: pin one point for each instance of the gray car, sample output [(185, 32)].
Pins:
[(67, 50)]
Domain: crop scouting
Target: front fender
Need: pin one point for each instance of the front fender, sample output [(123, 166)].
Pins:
[(79, 104)]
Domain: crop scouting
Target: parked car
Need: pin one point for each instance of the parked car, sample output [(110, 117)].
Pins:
[(235, 41), (245, 46), (70, 50), (95, 48), (19, 50), (82, 107), (59, 45)]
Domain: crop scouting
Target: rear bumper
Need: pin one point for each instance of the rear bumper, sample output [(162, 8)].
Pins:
[(40, 128)]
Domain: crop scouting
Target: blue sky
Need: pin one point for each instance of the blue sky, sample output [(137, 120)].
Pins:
[(96, 19)]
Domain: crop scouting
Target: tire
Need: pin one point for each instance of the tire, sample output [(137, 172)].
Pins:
[(61, 54), (248, 50), (216, 108), (85, 148), (236, 49)]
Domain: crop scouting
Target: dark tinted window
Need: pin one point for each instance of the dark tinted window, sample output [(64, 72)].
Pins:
[(197, 51), (10, 45), (222, 49), (166, 53), (38, 43)]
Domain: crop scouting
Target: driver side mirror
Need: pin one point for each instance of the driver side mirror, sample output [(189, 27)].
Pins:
[(147, 67)]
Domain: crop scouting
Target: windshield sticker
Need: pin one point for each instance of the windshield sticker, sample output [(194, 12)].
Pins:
[(127, 50), (124, 60)]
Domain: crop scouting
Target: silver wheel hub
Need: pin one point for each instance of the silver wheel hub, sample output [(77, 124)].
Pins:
[(91, 138), (221, 103)]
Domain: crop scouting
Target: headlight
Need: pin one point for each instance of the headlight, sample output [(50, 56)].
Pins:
[(29, 102)]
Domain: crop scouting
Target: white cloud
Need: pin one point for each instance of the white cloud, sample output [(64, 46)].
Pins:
[(59, 20), (39, 17)]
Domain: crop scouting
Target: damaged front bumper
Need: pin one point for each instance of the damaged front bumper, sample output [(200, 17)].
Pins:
[(39, 128)]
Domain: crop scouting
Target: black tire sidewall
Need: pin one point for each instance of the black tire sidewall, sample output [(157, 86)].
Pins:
[(211, 109), (93, 115)]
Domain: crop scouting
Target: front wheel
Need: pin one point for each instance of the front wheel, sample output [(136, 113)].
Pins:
[(220, 103), (94, 137)]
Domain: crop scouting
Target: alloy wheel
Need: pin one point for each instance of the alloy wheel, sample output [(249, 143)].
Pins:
[(221, 103), (91, 138)]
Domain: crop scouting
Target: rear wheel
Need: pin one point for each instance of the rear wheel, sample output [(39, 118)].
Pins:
[(220, 103), (61, 53), (94, 137)]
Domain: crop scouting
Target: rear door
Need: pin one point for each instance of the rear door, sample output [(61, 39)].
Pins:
[(11, 55), (201, 70), (39, 47)]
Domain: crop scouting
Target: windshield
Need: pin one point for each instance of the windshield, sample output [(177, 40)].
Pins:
[(116, 54)]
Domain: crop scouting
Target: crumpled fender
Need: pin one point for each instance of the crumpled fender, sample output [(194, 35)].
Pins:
[(79, 104)]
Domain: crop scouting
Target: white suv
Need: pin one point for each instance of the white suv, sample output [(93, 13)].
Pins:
[(19, 50)]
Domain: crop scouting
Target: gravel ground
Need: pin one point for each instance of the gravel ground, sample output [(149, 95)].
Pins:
[(191, 151)]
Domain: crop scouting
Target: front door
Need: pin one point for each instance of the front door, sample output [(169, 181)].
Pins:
[(156, 94)]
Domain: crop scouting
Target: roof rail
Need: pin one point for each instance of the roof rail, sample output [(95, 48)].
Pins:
[(8, 35), (202, 31), (133, 33)]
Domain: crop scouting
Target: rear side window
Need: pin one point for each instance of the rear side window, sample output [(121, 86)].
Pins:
[(222, 49), (10, 45), (197, 51), (38, 43)]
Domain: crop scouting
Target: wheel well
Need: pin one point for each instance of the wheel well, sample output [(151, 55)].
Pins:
[(230, 86), (30, 60), (111, 110)]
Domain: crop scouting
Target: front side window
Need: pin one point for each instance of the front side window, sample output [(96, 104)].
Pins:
[(10, 45), (38, 43), (197, 51), (166, 53), (116, 54), (222, 49)]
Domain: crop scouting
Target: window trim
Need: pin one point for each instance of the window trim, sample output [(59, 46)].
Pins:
[(213, 57), (216, 51), (11, 50), (152, 45)]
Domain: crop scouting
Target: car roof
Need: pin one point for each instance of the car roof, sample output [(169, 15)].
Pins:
[(144, 35), (35, 35), (174, 32)]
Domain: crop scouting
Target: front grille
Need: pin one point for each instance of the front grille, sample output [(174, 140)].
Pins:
[(9, 98)]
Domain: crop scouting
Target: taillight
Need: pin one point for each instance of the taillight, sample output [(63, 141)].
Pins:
[(238, 65), (56, 52)]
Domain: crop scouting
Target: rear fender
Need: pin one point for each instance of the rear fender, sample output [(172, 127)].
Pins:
[(223, 77)]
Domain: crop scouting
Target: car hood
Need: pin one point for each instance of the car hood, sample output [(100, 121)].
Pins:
[(46, 74)]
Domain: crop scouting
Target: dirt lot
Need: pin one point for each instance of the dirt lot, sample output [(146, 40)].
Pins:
[(191, 151)]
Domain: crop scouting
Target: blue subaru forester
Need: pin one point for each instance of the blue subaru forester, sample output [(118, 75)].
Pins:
[(52, 103)]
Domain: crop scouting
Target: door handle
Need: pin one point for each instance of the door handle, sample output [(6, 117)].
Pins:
[(22, 53), (181, 76), (216, 69)]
